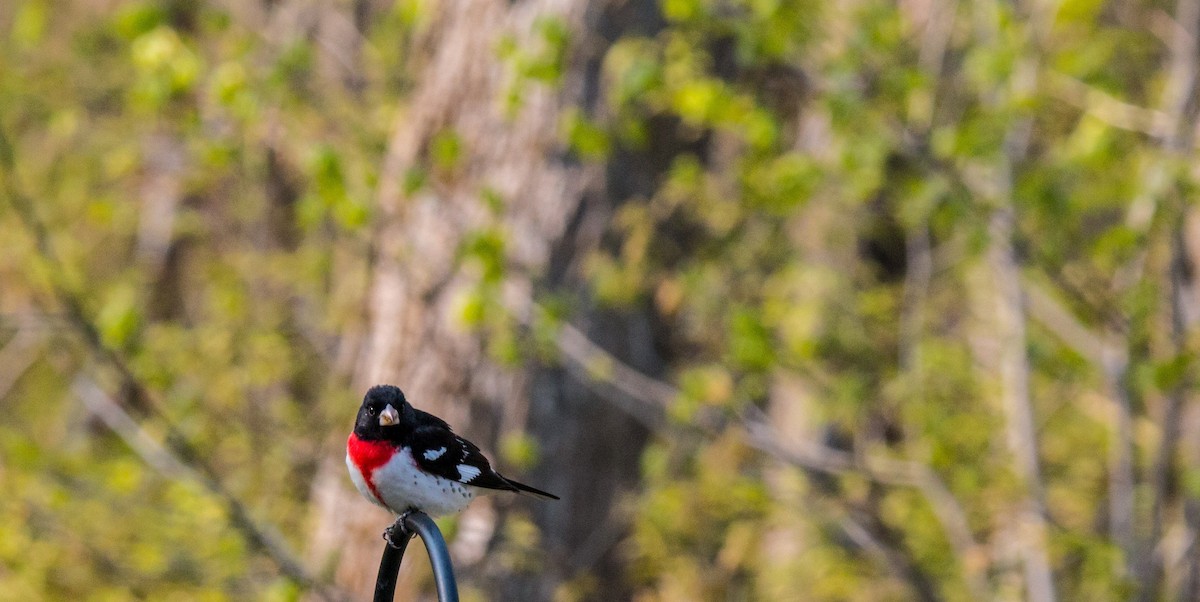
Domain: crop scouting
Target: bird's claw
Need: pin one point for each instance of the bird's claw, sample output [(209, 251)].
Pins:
[(389, 534)]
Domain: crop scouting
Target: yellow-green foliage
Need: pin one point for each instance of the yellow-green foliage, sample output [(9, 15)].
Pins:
[(821, 151)]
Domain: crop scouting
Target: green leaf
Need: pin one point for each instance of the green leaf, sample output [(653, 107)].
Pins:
[(119, 318), (446, 149)]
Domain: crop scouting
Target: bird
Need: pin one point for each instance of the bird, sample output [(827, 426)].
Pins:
[(408, 460)]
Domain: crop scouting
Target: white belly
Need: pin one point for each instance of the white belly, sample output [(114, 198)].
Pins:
[(402, 486)]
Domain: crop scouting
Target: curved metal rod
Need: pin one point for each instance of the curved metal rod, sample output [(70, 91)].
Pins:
[(397, 537), (389, 564)]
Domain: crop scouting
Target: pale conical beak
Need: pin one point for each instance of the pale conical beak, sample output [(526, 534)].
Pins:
[(389, 416)]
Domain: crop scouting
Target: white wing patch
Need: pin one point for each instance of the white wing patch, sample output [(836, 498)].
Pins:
[(467, 472), (433, 454)]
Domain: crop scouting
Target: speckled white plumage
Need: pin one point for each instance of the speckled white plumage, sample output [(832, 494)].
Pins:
[(402, 485)]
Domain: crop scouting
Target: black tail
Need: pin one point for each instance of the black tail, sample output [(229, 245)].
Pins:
[(523, 488)]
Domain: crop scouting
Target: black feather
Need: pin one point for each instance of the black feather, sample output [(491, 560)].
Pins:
[(457, 452), (435, 448), (523, 488)]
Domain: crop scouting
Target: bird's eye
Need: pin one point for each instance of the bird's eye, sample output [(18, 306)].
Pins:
[(371, 411)]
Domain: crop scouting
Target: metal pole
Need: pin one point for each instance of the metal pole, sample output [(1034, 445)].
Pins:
[(389, 564), (415, 523)]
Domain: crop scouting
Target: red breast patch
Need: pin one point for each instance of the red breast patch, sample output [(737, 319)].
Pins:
[(367, 456)]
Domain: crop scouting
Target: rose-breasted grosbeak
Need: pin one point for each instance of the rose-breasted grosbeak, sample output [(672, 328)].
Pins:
[(404, 459)]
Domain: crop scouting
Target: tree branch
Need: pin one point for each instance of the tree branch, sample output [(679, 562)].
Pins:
[(1182, 101), (124, 426), (1018, 406), (258, 536), (1150, 563), (995, 187), (647, 399), (17, 356), (865, 528), (1105, 107)]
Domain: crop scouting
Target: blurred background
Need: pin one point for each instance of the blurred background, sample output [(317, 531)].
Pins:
[(787, 299)]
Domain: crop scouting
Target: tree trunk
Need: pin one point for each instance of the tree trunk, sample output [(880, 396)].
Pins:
[(555, 211)]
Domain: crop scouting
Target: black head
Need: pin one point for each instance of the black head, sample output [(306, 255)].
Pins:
[(384, 414)]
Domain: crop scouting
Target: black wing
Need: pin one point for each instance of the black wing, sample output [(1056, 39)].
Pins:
[(426, 420), (438, 451)]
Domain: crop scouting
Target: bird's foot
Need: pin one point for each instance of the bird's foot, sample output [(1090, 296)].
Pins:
[(398, 532)]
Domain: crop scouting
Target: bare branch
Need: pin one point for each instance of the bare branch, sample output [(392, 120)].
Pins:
[(1181, 100), (1181, 107), (17, 357), (124, 426), (1010, 331), (647, 399), (162, 459), (256, 534), (1112, 361), (643, 398), (1059, 320), (1150, 563), (1105, 107), (864, 527), (918, 250)]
